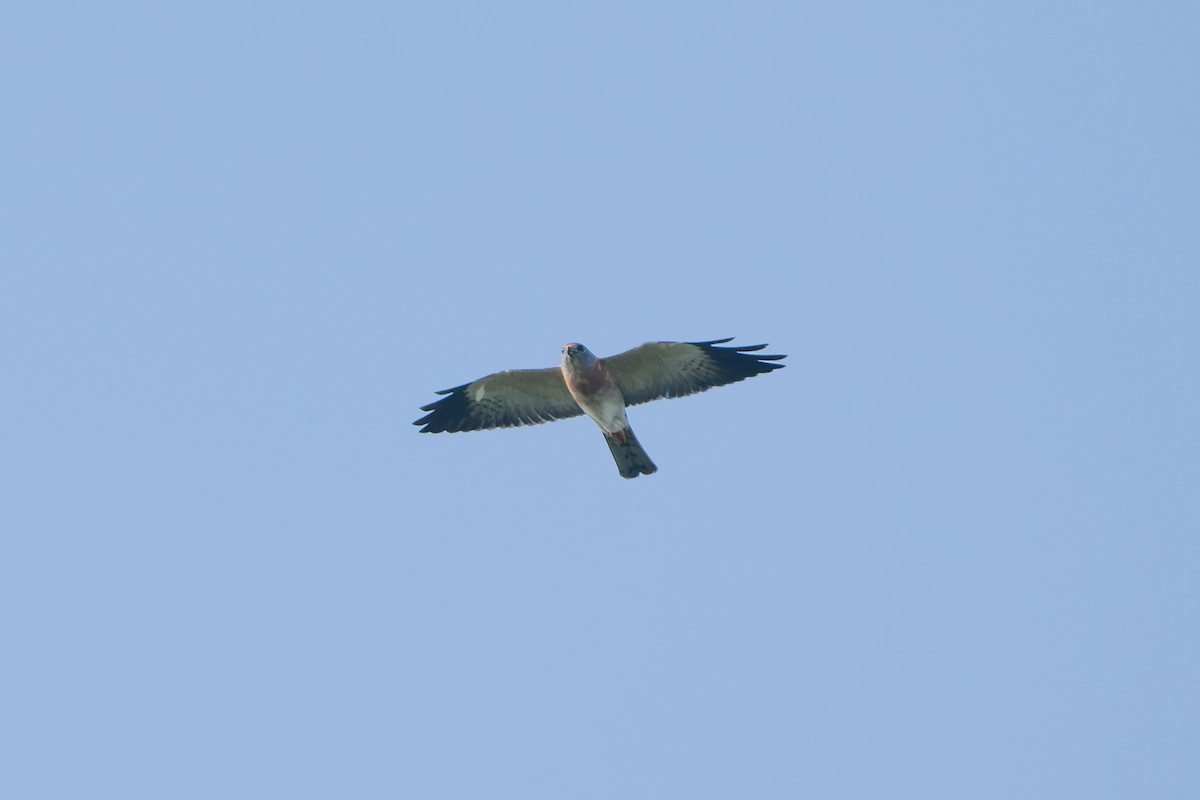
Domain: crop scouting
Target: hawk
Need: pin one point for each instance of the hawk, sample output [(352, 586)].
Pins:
[(598, 387)]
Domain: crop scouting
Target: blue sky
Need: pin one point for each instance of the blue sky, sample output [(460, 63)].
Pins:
[(950, 551)]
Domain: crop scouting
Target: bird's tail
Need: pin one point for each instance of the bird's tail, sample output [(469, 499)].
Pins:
[(628, 453)]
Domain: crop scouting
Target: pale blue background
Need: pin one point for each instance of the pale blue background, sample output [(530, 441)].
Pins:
[(950, 552)]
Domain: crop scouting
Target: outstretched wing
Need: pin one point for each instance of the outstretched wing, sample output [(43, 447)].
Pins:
[(675, 369), (501, 400)]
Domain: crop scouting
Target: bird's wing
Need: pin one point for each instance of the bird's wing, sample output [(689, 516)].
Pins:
[(675, 369), (501, 400)]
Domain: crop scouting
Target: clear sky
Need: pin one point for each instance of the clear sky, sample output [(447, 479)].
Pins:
[(951, 551)]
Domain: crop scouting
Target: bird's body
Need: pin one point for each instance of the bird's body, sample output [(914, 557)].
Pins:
[(598, 387), (592, 385)]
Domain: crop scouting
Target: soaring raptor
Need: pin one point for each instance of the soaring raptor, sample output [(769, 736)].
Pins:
[(598, 387)]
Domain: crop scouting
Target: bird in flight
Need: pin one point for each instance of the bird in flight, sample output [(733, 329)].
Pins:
[(598, 387)]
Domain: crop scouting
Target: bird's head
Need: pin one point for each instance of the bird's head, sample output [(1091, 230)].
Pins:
[(576, 354)]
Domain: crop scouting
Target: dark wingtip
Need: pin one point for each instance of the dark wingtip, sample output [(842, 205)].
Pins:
[(739, 363), (446, 414)]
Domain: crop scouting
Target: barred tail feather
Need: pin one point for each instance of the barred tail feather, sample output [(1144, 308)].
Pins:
[(628, 453)]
